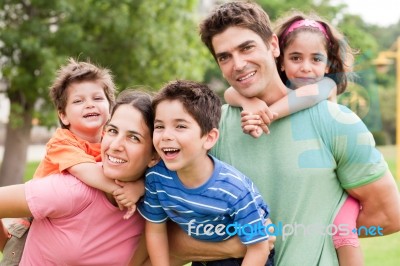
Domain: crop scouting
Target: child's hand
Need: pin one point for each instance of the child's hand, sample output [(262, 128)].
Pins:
[(131, 210), (253, 124), (256, 117), (129, 194)]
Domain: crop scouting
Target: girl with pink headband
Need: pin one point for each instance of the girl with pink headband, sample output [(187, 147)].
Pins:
[(315, 63)]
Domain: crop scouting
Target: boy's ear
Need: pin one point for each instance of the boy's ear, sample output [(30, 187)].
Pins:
[(63, 118), (211, 139), (155, 158)]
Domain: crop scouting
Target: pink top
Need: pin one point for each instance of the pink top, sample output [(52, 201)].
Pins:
[(75, 224)]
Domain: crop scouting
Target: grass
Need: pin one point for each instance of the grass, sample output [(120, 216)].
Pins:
[(377, 250)]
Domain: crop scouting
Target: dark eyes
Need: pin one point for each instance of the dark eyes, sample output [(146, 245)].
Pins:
[(248, 47), (97, 98), (222, 58), (161, 127), (111, 131)]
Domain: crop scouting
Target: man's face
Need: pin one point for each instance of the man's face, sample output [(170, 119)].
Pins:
[(245, 61)]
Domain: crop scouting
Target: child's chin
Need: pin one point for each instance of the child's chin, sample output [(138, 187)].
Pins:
[(172, 167)]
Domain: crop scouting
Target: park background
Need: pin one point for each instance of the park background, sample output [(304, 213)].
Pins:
[(149, 42)]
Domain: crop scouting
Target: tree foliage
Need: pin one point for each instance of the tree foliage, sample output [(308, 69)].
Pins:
[(143, 42)]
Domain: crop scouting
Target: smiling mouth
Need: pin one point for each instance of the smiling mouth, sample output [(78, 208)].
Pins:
[(305, 79), (247, 76), (115, 160), (91, 115), (170, 151)]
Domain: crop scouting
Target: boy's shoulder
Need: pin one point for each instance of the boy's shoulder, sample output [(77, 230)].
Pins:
[(227, 172), (62, 134), (160, 169)]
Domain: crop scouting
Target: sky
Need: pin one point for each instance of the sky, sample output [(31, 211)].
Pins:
[(379, 12)]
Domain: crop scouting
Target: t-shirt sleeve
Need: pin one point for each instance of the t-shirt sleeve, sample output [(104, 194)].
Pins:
[(66, 153), (150, 207), (250, 214), (353, 146), (57, 196)]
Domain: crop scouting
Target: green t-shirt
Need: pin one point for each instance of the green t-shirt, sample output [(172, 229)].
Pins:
[(302, 168)]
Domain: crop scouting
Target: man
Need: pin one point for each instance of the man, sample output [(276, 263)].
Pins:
[(309, 161)]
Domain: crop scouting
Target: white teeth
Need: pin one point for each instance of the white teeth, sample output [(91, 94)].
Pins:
[(90, 115), (169, 150), (247, 76), (115, 160)]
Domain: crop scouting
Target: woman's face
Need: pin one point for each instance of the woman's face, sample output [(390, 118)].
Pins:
[(126, 148)]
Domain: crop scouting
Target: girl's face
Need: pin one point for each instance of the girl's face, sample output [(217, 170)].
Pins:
[(126, 148), (305, 59), (87, 110)]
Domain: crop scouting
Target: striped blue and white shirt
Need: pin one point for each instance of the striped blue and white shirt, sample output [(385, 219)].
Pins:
[(227, 204)]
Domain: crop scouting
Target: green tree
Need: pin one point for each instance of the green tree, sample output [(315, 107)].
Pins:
[(146, 42), (27, 59)]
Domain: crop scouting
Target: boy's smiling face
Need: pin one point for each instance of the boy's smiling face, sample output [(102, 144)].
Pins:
[(177, 137), (87, 110)]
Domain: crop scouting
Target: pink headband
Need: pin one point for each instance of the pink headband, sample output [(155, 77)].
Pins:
[(306, 23)]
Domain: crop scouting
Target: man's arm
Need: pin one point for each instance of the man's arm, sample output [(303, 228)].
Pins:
[(184, 248), (141, 256), (380, 203)]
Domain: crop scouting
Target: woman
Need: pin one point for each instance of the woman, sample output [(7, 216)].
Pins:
[(71, 216)]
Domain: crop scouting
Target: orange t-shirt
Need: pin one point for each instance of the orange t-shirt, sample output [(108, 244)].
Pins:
[(64, 150)]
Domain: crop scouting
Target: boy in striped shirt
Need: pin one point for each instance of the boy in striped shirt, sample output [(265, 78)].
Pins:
[(207, 198)]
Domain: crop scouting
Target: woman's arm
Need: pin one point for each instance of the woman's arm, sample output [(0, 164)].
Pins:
[(3, 236), (13, 202)]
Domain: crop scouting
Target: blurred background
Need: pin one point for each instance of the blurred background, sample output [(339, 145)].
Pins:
[(149, 42)]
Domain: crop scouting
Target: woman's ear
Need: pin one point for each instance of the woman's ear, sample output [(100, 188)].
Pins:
[(211, 139), (155, 158)]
